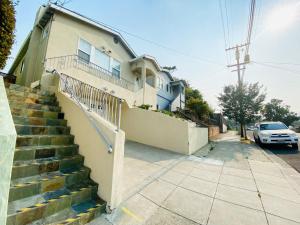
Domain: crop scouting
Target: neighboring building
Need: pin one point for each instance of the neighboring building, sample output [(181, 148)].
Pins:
[(220, 121), (170, 93), (73, 44)]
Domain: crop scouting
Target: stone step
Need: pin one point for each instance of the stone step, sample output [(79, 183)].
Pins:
[(33, 92), (23, 188), (37, 113), (39, 121), (39, 166), (41, 130), (11, 92), (17, 105), (30, 99), (32, 140), (20, 88), (44, 151), (42, 206), (84, 213), (49, 183)]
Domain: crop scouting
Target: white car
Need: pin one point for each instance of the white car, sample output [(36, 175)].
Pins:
[(275, 133)]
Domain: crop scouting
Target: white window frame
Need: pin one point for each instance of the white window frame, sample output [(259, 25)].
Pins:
[(92, 50), (92, 56), (111, 65)]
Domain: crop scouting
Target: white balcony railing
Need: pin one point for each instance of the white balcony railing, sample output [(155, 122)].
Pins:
[(74, 61)]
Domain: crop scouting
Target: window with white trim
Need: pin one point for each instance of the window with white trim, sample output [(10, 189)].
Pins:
[(116, 68), (101, 59), (84, 51)]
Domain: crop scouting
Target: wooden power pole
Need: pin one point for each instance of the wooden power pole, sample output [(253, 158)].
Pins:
[(238, 69)]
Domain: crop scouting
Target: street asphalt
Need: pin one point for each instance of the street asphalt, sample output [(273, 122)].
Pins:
[(285, 152)]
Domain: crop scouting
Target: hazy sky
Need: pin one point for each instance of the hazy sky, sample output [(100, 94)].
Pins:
[(190, 36)]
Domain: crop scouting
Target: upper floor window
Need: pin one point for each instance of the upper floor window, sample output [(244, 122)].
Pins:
[(167, 87), (84, 50), (101, 59), (88, 53), (116, 68)]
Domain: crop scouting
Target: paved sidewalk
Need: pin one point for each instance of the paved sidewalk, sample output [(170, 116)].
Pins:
[(236, 184)]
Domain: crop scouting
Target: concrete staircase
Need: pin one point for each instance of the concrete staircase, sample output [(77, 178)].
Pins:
[(49, 183)]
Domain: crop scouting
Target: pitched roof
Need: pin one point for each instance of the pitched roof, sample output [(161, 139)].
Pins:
[(51, 8)]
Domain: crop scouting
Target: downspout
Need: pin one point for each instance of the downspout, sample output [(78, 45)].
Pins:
[(180, 91), (144, 81)]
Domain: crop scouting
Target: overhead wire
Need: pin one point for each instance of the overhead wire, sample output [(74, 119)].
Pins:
[(282, 63), (196, 58), (249, 33), (223, 27), (277, 67), (227, 26)]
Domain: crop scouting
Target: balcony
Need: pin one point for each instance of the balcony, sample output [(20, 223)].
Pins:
[(74, 61)]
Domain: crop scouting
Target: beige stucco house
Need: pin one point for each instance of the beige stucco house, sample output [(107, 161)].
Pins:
[(71, 43), (99, 82)]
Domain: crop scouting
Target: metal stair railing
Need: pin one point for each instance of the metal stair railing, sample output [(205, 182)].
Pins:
[(91, 99)]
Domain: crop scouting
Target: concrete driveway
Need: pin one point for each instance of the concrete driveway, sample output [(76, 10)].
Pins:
[(236, 184)]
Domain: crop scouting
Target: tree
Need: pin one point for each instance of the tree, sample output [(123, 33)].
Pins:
[(196, 104), (275, 110), (7, 22), (242, 103)]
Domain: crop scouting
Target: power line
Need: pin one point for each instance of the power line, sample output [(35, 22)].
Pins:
[(196, 58), (223, 26), (279, 68), (225, 30), (250, 28), (258, 19), (282, 63), (227, 23), (158, 44)]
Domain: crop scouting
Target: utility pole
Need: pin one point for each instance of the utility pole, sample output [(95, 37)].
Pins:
[(238, 63), (238, 69)]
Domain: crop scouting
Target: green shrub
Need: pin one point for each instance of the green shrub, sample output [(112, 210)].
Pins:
[(7, 27), (145, 106)]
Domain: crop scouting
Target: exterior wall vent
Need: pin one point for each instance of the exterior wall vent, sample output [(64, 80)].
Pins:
[(116, 40)]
